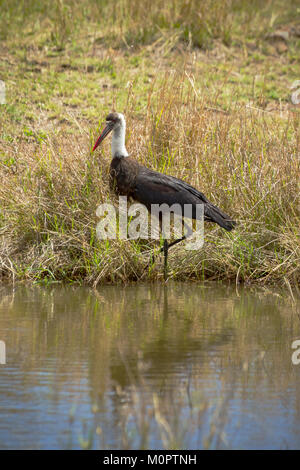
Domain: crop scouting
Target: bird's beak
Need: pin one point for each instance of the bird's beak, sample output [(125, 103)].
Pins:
[(108, 128)]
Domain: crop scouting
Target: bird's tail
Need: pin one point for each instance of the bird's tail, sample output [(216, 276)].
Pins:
[(214, 214)]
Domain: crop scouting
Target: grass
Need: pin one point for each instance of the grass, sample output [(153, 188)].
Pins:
[(205, 87)]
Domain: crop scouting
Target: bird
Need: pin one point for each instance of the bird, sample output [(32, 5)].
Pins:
[(146, 186)]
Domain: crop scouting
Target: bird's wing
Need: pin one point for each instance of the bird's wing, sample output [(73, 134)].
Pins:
[(187, 187), (152, 187)]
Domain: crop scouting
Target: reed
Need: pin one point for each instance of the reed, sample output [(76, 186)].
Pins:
[(215, 118)]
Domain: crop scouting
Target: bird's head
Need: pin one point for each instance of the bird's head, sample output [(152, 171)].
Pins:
[(114, 122)]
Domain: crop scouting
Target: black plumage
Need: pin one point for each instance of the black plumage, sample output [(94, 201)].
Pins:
[(130, 178)]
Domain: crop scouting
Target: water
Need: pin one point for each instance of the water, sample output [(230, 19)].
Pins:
[(151, 366)]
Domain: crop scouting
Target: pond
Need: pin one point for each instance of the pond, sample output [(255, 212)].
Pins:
[(175, 366)]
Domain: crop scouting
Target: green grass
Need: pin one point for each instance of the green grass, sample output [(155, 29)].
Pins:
[(206, 93)]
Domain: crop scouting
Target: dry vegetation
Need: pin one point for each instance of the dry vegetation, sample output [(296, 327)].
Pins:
[(205, 88)]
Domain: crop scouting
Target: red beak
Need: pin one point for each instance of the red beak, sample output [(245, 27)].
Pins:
[(105, 132)]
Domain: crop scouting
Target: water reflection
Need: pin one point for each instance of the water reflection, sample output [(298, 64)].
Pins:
[(178, 365)]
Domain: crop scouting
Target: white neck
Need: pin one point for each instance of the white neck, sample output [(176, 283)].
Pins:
[(118, 141)]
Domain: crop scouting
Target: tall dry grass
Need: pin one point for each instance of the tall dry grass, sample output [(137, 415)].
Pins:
[(195, 22), (246, 161)]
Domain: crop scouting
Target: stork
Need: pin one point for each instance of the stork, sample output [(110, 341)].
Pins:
[(130, 178)]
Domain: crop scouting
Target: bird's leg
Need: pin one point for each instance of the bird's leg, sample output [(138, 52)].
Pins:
[(152, 258), (185, 236), (165, 248), (177, 241)]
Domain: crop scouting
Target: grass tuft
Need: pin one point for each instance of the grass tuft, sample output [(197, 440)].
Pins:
[(206, 93)]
